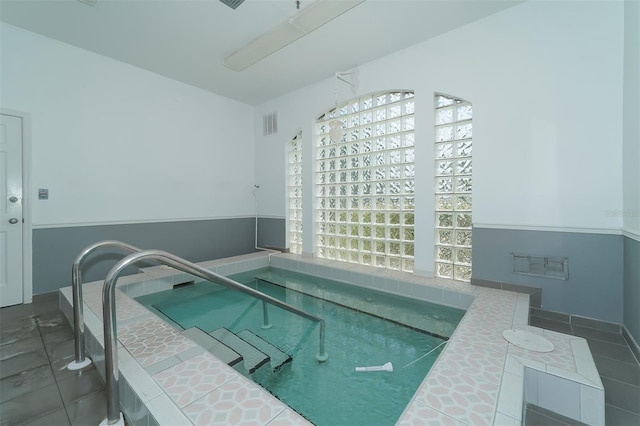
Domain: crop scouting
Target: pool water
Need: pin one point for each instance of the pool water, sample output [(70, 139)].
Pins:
[(363, 328)]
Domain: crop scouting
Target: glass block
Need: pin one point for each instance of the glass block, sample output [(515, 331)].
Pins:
[(394, 142), (354, 106), (367, 118), (409, 155), (366, 132), (354, 257), (463, 202), (394, 263), (354, 243), (464, 112), (366, 245), (394, 157), (409, 95), (381, 247), (409, 171), (394, 203), (463, 184), (343, 190), (380, 130), (394, 126), (331, 253), (443, 101), (463, 238), (465, 148), (380, 188), (444, 133), (444, 116), (332, 191), (407, 265), (380, 100), (395, 111), (409, 218), (409, 203), (355, 174), (409, 107), (394, 172), (444, 150), (409, 123), (366, 259), (444, 202), (354, 134), (342, 243), (408, 140), (343, 150), (380, 232), (343, 175), (380, 115), (353, 190), (343, 205), (463, 220), (366, 231), (463, 273), (331, 241), (444, 237), (381, 159), (381, 261), (409, 187), (444, 253), (409, 234), (464, 131), (444, 185), (463, 255), (394, 248), (408, 249), (366, 160), (367, 103), (394, 187), (354, 217), (366, 146), (366, 188), (444, 168), (394, 218), (395, 96), (463, 167), (444, 220), (332, 203), (355, 203), (332, 164), (394, 233)]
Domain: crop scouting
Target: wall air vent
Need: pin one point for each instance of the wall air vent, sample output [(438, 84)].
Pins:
[(233, 4), (270, 124), (546, 267)]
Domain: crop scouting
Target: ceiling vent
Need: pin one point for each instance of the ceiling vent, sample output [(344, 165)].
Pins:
[(270, 124), (233, 4)]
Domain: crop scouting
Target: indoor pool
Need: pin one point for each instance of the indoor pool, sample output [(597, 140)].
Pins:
[(363, 328)]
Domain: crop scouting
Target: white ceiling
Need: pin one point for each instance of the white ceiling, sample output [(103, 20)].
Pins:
[(188, 40)]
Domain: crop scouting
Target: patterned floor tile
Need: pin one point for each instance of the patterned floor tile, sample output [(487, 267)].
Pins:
[(194, 378), (141, 330), (237, 402), (159, 347), (420, 415)]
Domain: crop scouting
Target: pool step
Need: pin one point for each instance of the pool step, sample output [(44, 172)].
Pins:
[(278, 357), (253, 357), (213, 345)]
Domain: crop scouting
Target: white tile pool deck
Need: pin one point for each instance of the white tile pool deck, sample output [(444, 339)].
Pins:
[(479, 378)]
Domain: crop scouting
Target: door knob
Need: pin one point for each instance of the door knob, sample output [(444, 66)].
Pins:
[(13, 199), (13, 221)]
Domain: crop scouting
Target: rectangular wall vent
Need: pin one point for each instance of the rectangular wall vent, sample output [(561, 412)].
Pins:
[(270, 124), (233, 4), (539, 266)]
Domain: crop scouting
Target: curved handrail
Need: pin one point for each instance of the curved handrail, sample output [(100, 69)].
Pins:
[(109, 314), (76, 284)]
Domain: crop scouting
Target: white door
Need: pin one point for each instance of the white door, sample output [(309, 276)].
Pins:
[(10, 210)]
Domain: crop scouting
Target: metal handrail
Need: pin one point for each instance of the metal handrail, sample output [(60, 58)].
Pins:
[(76, 284), (109, 314)]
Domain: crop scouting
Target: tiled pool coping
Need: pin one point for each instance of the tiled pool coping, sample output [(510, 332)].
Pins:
[(478, 379)]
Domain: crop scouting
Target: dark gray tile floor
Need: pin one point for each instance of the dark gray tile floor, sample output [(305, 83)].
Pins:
[(618, 367), (36, 388)]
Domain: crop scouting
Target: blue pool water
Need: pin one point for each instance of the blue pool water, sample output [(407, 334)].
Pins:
[(363, 328)]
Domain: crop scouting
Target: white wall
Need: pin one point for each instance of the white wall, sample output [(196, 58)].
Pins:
[(545, 82), (115, 143), (631, 150)]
